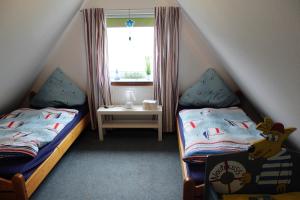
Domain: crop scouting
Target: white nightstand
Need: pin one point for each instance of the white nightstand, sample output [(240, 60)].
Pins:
[(130, 123)]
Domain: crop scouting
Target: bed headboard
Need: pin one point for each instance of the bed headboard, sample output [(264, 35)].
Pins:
[(26, 100)]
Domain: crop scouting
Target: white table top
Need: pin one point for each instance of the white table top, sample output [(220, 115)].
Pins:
[(120, 109)]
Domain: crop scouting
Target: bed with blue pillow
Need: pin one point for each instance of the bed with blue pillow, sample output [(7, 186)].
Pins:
[(211, 120), (29, 155)]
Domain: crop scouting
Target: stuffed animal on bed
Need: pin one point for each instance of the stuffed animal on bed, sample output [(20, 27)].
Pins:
[(275, 134), (267, 167), (277, 167)]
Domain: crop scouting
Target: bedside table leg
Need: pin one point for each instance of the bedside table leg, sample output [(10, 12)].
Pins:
[(159, 127), (100, 129), (101, 138)]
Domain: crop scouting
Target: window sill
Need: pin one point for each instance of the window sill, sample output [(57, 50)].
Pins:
[(132, 82)]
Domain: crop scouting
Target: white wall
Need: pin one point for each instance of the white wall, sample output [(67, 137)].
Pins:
[(195, 53), (28, 31), (259, 43)]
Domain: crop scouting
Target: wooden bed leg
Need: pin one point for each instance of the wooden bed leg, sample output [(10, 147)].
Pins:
[(13, 189), (19, 186), (199, 192), (188, 190), (191, 191)]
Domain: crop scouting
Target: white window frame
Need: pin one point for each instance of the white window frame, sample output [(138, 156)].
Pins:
[(124, 13)]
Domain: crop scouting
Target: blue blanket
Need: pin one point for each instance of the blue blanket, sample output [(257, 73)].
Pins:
[(213, 131), (24, 131)]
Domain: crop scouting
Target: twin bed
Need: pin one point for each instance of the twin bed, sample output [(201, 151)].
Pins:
[(193, 164), (34, 139), (20, 176)]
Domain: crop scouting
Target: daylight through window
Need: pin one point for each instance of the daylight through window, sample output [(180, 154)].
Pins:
[(130, 50)]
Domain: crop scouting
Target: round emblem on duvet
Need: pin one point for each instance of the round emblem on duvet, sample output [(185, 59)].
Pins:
[(226, 176)]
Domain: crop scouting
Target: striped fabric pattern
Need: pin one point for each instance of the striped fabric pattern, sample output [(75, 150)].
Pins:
[(276, 170), (166, 55), (95, 41)]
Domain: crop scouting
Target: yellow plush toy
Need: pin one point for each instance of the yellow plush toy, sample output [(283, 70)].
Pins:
[(275, 134), (271, 146)]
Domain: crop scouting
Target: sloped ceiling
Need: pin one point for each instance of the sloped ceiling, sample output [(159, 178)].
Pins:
[(28, 31), (259, 43)]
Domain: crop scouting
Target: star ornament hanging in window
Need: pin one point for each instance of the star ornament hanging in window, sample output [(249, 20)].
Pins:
[(129, 23)]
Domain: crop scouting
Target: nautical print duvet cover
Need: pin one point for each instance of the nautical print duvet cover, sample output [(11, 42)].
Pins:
[(24, 131), (214, 131)]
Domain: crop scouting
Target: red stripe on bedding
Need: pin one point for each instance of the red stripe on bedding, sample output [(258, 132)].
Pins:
[(56, 125), (223, 141), (17, 151), (245, 125), (193, 124), (208, 147), (10, 124), (3, 116), (47, 116)]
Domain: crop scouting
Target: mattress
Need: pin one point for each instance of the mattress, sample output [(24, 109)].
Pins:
[(26, 166)]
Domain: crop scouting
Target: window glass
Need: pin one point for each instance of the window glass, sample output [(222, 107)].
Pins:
[(130, 53)]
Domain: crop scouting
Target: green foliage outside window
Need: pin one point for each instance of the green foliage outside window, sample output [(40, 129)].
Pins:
[(134, 75), (148, 65)]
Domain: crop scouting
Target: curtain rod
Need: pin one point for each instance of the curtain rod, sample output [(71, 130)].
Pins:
[(131, 9)]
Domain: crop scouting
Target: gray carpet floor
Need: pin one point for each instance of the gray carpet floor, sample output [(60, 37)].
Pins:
[(129, 164)]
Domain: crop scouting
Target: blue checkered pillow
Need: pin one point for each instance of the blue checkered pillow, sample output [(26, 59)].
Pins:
[(58, 91), (209, 91)]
